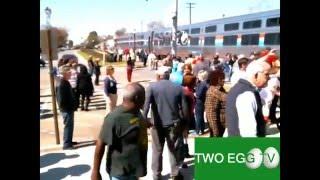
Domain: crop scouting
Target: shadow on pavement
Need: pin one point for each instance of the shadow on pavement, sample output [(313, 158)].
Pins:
[(166, 177), (82, 144), (101, 108), (45, 116), (53, 158), (60, 173), (44, 111), (95, 95), (98, 104), (48, 95), (188, 173), (98, 101), (272, 130), (142, 81)]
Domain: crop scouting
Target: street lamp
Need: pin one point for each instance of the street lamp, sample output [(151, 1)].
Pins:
[(48, 13), (53, 92), (174, 29), (134, 40)]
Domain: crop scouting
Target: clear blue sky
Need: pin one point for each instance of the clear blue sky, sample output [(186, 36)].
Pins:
[(106, 16)]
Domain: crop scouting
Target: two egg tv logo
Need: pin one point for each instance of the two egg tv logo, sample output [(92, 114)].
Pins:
[(253, 159)]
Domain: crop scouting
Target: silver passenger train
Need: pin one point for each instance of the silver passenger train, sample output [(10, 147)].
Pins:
[(239, 34)]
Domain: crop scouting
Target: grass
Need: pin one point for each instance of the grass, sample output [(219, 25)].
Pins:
[(85, 53)]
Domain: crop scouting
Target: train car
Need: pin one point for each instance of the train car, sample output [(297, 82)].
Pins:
[(238, 34)]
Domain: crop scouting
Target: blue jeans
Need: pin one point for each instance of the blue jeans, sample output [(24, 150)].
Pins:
[(68, 128), (130, 177), (199, 112)]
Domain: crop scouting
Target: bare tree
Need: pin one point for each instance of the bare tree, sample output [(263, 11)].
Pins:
[(62, 35), (121, 32), (109, 37), (155, 25)]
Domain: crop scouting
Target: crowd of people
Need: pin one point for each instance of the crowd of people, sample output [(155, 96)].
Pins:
[(187, 91)]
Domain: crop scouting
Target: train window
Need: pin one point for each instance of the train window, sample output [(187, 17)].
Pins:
[(140, 37), (231, 27), (209, 41), (273, 22), (155, 42), (272, 39), (167, 41), (156, 35), (186, 30), (250, 39), (195, 31), (194, 41), (230, 40), (211, 29), (139, 43), (161, 43), (252, 24)]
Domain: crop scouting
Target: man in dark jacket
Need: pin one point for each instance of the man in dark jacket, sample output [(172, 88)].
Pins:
[(166, 100), (67, 105), (97, 71), (244, 115), (84, 87)]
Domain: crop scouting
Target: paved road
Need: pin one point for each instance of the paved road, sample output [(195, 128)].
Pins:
[(77, 164), (87, 124)]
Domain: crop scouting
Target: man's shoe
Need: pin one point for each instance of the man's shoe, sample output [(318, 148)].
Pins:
[(184, 166), (177, 177), (74, 143), (156, 177)]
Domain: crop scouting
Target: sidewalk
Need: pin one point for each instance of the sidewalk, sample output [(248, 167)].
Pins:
[(87, 123), (77, 164)]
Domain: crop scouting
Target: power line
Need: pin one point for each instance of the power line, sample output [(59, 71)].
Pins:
[(190, 6)]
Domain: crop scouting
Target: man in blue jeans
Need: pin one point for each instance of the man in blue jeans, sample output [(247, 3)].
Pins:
[(67, 105)]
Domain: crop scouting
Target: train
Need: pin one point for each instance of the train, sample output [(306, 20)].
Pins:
[(241, 34)]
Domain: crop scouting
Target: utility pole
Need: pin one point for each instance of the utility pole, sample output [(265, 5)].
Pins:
[(141, 26), (190, 6), (134, 40)]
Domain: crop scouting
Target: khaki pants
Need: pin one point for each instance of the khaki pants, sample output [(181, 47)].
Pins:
[(111, 102)]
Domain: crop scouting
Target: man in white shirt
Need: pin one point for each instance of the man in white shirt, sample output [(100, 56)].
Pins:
[(189, 60), (241, 73), (152, 61), (267, 94), (243, 107)]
